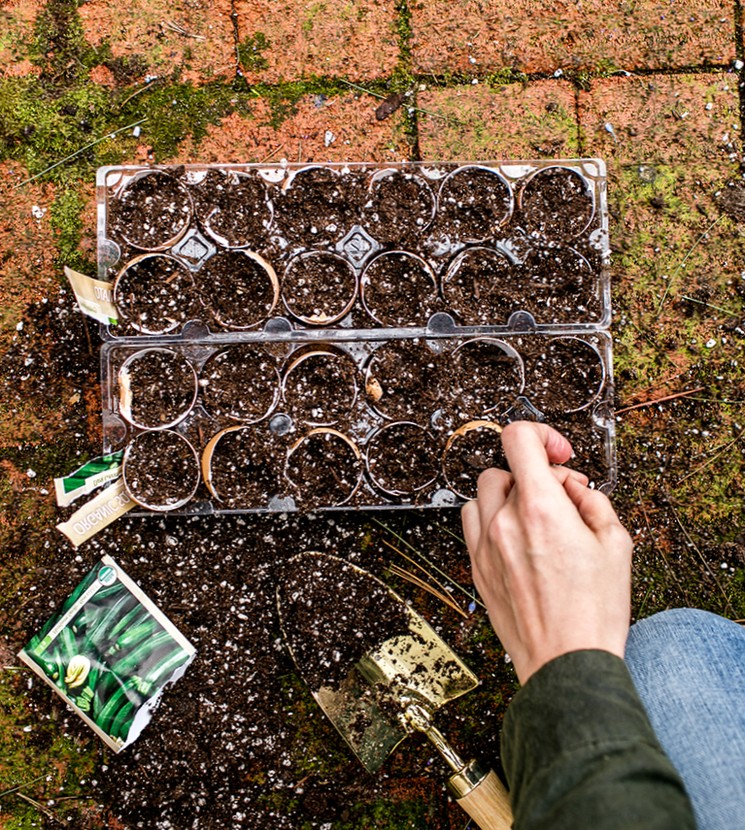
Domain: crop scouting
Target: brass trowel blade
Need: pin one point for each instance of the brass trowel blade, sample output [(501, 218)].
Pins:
[(415, 666)]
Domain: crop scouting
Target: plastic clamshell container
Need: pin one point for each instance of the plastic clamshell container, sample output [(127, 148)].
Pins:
[(518, 286)]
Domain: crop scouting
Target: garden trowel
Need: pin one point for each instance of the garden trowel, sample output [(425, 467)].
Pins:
[(379, 671)]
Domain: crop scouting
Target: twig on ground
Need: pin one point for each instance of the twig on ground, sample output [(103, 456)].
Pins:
[(660, 400), (12, 790), (179, 29), (447, 118), (274, 152), (420, 583), (82, 150), (42, 809), (434, 567), (710, 305), (685, 259)]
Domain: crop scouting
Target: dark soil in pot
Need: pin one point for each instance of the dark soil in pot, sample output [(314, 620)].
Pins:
[(562, 375), (157, 388), (320, 385), (333, 616), (152, 211), (479, 287), (239, 289), (233, 208), (154, 295), (240, 468), (399, 208), (160, 470), (324, 469), (469, 454), (403, 380), (473, 205), (319, 205), (486, 375), (559, 286), (240, 382), (399, 289), (402, 458), (319, 288), (556, 204)]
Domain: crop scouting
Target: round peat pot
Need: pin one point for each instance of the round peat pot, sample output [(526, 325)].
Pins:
[(239, 467), (472, 448), (239, 288), (474, 203), (560, 285), (317, 205), (400, 207), (234, 208), (240, 382), (154, 294), (487, 375), (324, 468), (402, 380), (479, 289), (320, 385), (160, 470), (319, 288), (157, 388), (401, 458), (566, 375), (152, 211), (399, 289), (556, 203)]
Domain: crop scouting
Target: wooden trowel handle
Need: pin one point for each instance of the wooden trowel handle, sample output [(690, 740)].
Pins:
[(483, 796)]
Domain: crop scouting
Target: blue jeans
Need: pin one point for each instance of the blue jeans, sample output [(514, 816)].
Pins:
[(689, 669)]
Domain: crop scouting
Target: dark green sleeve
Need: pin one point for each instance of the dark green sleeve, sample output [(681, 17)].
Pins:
[(579, 752)]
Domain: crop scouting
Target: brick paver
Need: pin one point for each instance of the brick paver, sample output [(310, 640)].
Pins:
[(476, 36), (289, 39), (509, 122), (339, 128), (16, 29), (672, 118), (190, 40)]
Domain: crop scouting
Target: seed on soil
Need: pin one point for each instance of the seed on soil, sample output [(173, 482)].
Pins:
[(487, 376), (239, 288), (559, 286), (403, 380), (157, 388), (479, 287), (154, 294), (152, 212), (160, 470), (399, 289), (240, 382)]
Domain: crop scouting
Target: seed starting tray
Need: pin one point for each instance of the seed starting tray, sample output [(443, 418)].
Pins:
[(349, 336)]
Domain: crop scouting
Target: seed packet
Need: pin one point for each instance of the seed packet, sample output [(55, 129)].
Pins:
[(108, 652)]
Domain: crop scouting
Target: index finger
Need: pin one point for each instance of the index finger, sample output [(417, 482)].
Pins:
[(531, 448)]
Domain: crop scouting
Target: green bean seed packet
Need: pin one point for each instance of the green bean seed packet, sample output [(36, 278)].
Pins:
[(108, 652)]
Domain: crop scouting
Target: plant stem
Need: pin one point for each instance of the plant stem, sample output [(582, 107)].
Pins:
[(660, 400)]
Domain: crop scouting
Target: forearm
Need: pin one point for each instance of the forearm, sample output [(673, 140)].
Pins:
[(579, 752)]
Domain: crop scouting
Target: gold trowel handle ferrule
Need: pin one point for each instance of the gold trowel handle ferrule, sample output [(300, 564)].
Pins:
[(467, 779), (483, 796)]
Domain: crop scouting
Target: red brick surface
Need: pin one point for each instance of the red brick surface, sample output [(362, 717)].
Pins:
[(16, 29), (510, 122), (476, 36), (333, 37), (320, 129), (192, 39), (672, 118)]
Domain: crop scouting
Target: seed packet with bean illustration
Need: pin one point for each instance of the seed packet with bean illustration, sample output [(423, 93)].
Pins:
[(108, 652)]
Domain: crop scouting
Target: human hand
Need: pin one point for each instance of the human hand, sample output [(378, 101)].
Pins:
[(550, 558)]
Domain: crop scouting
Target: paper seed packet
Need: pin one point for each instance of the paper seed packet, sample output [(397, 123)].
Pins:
[(108, 652)]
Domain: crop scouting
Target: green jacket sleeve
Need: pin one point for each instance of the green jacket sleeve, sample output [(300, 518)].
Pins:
[(579, 752)]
